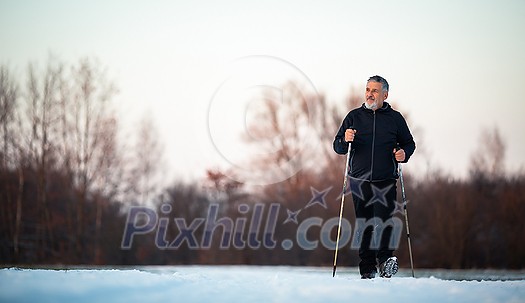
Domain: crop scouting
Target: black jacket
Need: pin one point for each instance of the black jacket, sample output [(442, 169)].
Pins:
[(378, 133)]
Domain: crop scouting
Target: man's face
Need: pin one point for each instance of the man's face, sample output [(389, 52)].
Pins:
[(374, 95)]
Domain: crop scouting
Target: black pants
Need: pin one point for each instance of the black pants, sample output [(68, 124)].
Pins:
[(374, 204)]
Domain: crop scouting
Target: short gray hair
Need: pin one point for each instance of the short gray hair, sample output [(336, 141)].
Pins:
[(379, 79)]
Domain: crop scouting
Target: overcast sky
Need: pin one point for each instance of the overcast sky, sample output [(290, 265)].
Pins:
[(455, 67)]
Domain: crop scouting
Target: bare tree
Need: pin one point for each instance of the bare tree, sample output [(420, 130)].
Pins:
[(488, 161), (62, 144), (42, 114), (283, 130), (11, 153), (89, 135), (146, 161), (8, 100), (73, 131)]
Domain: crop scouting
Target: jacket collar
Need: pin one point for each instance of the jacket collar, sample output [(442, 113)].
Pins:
[(386, 106)]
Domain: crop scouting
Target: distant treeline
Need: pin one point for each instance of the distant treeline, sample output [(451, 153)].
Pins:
[(71, 191)]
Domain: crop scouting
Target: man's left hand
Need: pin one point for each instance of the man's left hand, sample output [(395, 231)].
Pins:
[(399, 155)]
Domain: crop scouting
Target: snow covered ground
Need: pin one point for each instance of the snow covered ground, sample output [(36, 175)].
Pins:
[(246, 284)]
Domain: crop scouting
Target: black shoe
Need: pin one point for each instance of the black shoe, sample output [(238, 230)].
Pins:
[(368, 275), (388, 268)]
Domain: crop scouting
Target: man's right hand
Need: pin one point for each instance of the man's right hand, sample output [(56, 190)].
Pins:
[(349, 135)]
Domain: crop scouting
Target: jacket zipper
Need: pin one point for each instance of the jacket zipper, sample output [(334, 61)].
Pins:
[(373, 144)]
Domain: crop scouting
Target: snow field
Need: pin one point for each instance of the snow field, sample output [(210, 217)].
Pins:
[(241, 284)]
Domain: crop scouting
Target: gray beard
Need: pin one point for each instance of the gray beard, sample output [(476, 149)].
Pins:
[(372, 106)]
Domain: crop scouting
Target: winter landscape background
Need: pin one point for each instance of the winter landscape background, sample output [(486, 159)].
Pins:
[(160, 150)]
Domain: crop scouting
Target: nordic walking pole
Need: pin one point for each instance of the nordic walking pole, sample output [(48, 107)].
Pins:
[(342, 205), (406, 219)]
